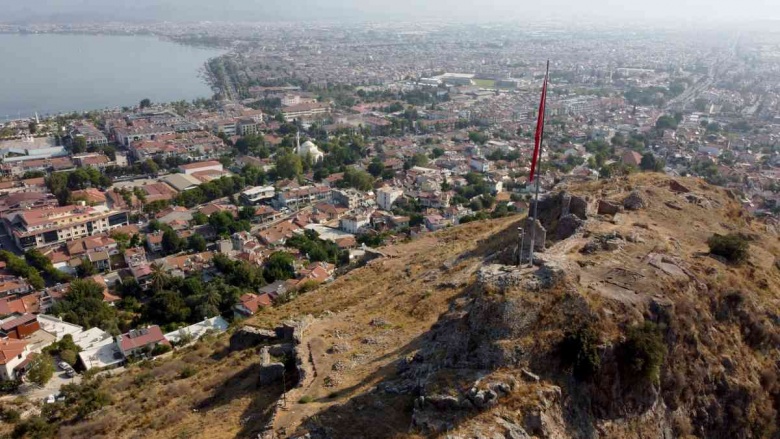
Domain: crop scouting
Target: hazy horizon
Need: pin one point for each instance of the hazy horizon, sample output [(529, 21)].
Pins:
[(610, 11)]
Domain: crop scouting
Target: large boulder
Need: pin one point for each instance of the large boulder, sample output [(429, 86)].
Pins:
[(675, 186), (579, 207), (608, 208), (634, 201), (568, 226)]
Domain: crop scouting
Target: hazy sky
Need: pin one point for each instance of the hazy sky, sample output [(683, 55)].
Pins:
[(463, 10)]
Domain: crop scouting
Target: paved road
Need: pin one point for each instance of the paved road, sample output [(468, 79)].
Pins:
[(719, 66)]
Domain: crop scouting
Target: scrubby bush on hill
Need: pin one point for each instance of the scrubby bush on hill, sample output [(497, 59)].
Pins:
[(579, 351), (34, 427), (643, 352), (733, 247)]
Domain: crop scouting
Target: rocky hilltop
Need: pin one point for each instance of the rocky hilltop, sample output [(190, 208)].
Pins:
[(626, 326)]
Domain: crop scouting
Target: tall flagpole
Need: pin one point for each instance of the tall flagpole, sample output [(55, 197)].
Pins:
[(542, 118)]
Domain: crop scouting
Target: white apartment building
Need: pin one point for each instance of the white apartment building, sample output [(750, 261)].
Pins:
[(47, 226), (387, 196), (305, 111), (354, 223), (255, 195)]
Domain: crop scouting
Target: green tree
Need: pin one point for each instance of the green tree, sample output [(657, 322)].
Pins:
[(197, 243), (357, 179), (150, 167), (316, 249), (225, 224), (135, 241), (171, 242), (65, 344), (199, 218), (69, 357), (618, 139), (251, 144), (35, 427), (279, 266), (376, 167), (288, 165), (167, 306), (478, 137), (43, 264), (651, 163), (78, 145), (145, 103), (159, 276), (700, 104), (81, 400), (418, 159), (86, 268), (33, 174), (84, 306), (247, 213), (41, 369), (20, 267), (666, 123)]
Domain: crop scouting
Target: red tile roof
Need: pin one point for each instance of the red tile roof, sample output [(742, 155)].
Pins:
[(139, 338), (10, 349), (198, 165), (254, 302), (25, 304), (18, 321)]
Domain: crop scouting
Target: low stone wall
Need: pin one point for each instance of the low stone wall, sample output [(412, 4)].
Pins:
[(294, 334), (270, 371), (249, 337)]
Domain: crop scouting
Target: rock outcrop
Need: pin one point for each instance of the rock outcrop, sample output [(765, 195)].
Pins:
[(608, 208), (676, 186), (568, 226), (498, 363), (634, 201)]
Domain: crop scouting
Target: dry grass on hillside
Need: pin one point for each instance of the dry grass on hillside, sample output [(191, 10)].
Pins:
[(160, 400), (376, 316), (221, 399)]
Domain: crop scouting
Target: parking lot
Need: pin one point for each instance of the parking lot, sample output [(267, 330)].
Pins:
[(36, 393)]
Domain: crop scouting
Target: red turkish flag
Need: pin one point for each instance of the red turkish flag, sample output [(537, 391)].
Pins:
[(539, 126)]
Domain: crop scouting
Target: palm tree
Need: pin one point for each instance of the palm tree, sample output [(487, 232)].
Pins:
[(159, 277)]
